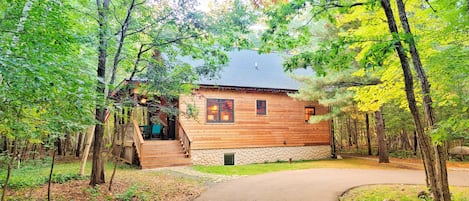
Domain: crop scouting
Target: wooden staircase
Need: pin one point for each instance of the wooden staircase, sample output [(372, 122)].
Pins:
[(163, 153)]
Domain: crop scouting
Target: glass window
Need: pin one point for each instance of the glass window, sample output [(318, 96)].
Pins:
[(309, 111), (220, 110), (261, 107)]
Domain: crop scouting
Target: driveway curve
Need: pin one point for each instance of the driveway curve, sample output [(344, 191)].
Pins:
[(314, 184)]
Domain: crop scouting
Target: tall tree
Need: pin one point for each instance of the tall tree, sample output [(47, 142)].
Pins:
[(97, 171), (155, 40)]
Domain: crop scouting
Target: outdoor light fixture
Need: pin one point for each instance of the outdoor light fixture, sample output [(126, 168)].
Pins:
[(143, 100)]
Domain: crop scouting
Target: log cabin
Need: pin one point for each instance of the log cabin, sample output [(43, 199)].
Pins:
[(245, 116)]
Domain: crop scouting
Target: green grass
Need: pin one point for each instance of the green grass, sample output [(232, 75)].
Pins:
[(36, 173), (398, 192), (254, 169)]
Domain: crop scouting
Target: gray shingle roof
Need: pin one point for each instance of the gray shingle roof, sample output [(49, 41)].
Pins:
[(247, 68)]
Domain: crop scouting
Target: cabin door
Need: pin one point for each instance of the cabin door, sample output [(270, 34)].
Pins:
[(171, 127)]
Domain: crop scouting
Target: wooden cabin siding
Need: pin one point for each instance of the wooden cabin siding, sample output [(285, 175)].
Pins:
[(284, 121)]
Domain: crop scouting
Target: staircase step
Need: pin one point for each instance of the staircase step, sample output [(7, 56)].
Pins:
[(165, 165), (166, 161), (163, 153), (155, 157)]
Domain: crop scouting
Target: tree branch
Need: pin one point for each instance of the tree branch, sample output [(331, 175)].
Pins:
[(150, 25), (178, 39), (434, 10), (122, 37), (141, 51)]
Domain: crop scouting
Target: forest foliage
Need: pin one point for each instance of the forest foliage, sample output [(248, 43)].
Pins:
[(349, 42)]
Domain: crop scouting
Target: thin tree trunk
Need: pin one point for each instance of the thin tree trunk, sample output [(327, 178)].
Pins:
[(349, 131), (380, 133), (87, 150), (333, 141), (67, 143), (441, 173), (10, 164), (116, 158), (341, 130), (24, 154), (59, 147), (120, 44), (121, 151), (50, 174), (405, 140), (415, 142), (78, 148), (34, 150), (368, 135), (97, 170), (5, 143), (423, 140), (355, 139)]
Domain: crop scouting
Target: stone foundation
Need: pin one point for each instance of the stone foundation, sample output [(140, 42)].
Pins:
[(260, 155)]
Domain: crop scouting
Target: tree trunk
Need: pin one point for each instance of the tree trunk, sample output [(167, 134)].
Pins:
[(86, 151), (34, 150), (5, 143), (78, 148), (67, 143), (341, 132), (415, 142), (333, 141), (9, 166), (97, 170), (121, 151), (59, 147), (50, 174), (25, 153), (349, 132), (355, 138), (439, 149), (423, 140), (405, 140), (380, 133), (368, 136)]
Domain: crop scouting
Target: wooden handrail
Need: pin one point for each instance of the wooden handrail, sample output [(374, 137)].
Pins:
[(138, 139), (185, 140)]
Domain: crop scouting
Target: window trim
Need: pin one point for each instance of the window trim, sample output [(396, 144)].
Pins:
[(309, 115), (265, 108), (220, 102)]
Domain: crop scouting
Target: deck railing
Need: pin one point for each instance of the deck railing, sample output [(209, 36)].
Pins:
[(138, 139), (185, 140)]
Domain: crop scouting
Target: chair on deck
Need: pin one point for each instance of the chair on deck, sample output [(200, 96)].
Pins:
[(156, 130), (146, 131)]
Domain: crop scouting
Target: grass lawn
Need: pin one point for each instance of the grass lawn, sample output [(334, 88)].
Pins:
[(262, 168), (36, 173), (398, 192)]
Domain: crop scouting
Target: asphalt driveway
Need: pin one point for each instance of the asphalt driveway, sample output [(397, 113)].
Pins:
[(314, 184)]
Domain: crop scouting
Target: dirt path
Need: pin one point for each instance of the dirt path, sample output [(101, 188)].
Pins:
[(187, 171), (314, 184)]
